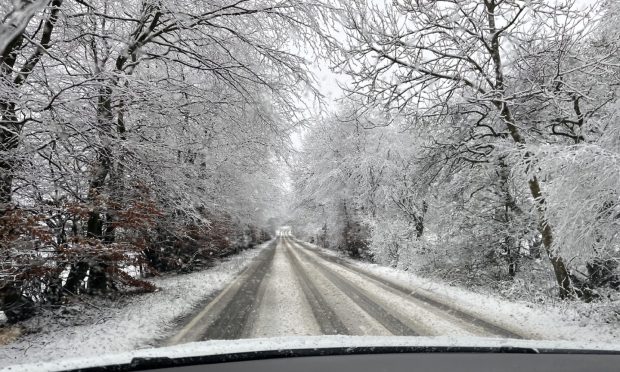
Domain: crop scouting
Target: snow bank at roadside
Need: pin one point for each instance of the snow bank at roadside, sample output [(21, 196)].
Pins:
[(561, 321), (136, 325)]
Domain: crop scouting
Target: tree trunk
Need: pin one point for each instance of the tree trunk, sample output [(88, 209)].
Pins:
[(16, 307), (9, 139), (512, 248), (98, 280), (561, 273), (97, 276), (513, 258), (76, 276), (419, 221), (10, 127)]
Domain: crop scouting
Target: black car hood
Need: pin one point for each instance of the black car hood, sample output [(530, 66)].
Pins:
[(218, 351)]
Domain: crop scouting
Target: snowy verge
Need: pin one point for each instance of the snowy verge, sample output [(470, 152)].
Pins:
[(138, 324), (219, 347), (560, 321)]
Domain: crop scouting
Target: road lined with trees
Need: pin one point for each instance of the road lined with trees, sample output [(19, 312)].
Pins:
[(476, 140)]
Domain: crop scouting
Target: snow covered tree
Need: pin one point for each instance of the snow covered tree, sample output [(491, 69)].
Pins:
[(462, 63), (130, 127)]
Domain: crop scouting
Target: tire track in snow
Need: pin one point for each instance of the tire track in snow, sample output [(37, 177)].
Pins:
[(417, 315), (374, 309), (325, 316), (451, 311), (231, 322), (282, 309), (215, 320)]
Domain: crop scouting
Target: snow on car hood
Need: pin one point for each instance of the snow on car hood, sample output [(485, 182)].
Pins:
[(223, 347)]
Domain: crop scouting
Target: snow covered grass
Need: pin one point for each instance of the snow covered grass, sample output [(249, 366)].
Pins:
[(552, 320), (132, 323)]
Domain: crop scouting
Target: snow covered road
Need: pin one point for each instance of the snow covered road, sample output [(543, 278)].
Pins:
[(294, 289)]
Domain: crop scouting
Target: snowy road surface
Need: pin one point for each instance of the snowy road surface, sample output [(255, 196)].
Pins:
[(293, 289)]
